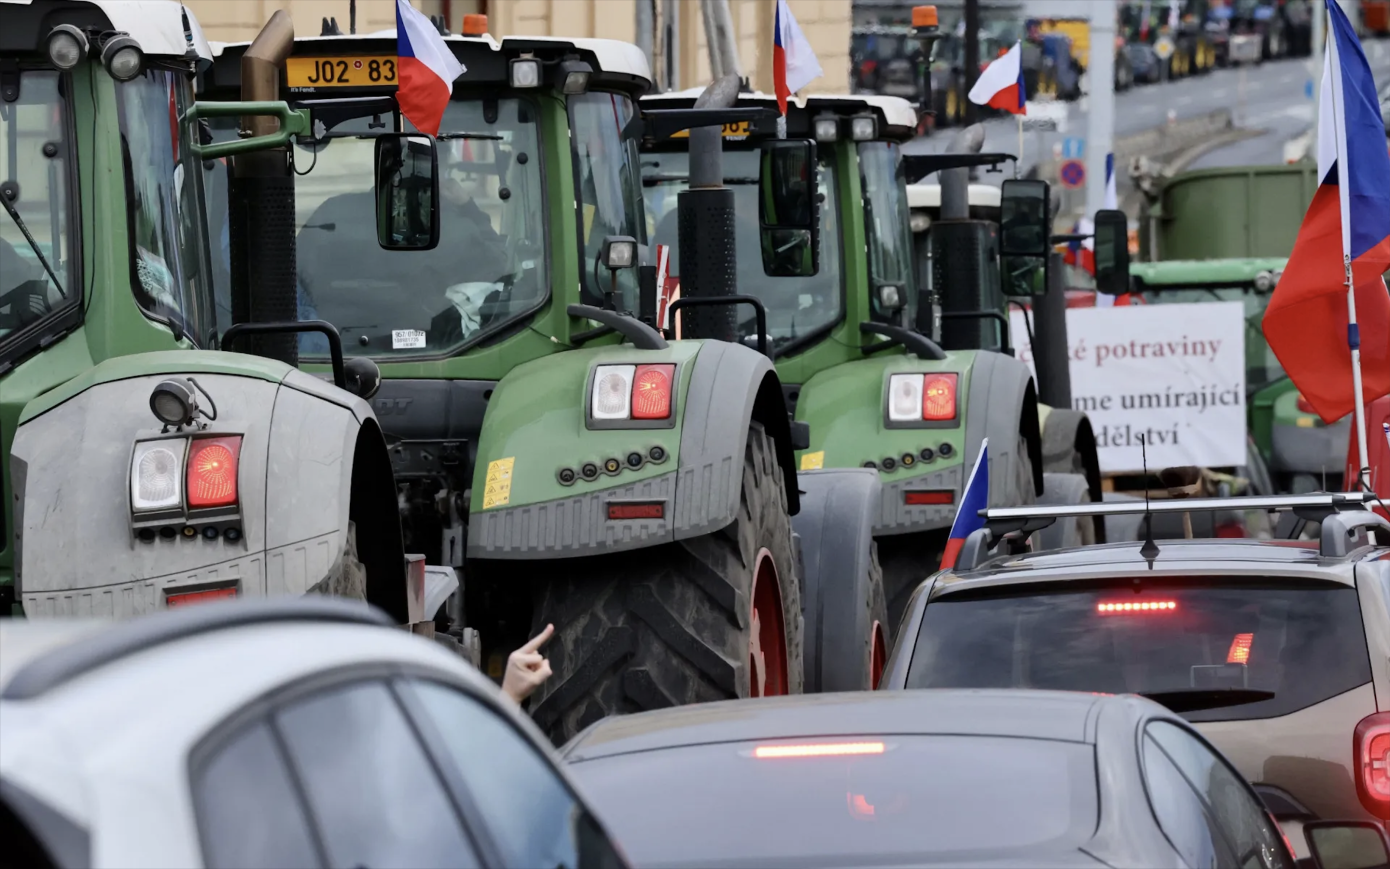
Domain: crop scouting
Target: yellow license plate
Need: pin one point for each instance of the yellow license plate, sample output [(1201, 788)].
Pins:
[(318, 72), (738, 130)]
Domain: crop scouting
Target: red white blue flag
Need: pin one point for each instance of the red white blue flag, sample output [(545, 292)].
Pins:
[(426, 69), (1307, 322), (973, 499), (794, 63), (1000, 84)]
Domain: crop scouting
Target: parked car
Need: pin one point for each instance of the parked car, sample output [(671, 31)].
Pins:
[(277, 733), (1274, 650), (1148, 69)]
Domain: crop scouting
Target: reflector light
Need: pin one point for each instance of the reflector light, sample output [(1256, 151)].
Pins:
[(1371, 743), (612, 397), (904, 397), (156, 474), (831, 749), (212, 472), (920, 498), (1240, 649), (174, 600), (939, 397), (651, 391), (1138, 606), (655, 510)]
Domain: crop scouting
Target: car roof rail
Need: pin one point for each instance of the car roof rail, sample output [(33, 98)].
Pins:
[(1345, 532), (65, 663)]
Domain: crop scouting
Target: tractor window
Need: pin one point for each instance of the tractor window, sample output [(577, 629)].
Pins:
[(34, 180), (887, 224), (169, 262), (605, 167), (489, 269)]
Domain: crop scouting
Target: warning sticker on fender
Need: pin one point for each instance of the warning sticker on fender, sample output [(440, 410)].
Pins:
[(407, 339), (813, 461), (497, 490)]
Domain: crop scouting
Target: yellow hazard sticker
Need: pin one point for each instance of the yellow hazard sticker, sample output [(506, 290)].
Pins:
[(497, 489), (1304, 422), (813, 461), (589, 212)]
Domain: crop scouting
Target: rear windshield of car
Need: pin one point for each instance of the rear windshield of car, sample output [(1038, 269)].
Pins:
[(1304, 644), (895, 799)]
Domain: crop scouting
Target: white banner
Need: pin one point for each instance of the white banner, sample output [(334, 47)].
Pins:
[(1171, 374)]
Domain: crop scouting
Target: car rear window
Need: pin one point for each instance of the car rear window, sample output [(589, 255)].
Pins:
[(897, 798), (1302, 643)]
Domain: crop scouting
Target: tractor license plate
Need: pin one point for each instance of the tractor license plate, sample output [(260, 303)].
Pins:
[(318, 72), (737, 130)]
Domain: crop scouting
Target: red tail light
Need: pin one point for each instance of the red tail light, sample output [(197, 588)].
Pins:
[(1303, 405), (922, 497), (651, 391), (1240, 649), (212, 472), (939, 397), (1371, 754), (190, 597), (1137, 606)]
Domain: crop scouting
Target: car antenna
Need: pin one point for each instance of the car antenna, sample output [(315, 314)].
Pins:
[(1150, 549)]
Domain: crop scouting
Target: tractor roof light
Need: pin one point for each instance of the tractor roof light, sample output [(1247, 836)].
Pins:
[(827, 129), (525, 72), (619, 252), (67, 45), (174, 403), (1265, 281), (474, 25), (122, 57), (574, 77), (863, 128)]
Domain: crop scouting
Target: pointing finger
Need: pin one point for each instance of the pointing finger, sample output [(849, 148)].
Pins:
[(538, 640)]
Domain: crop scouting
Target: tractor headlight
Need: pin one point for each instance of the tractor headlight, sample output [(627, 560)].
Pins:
[(174, 403), (827, 129), (122, 57)]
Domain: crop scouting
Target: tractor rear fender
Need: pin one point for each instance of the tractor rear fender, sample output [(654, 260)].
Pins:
[(531, 499), (1003, 405), (311, 460)]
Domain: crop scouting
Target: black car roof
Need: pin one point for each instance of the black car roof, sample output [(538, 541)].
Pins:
[(1057, 715)]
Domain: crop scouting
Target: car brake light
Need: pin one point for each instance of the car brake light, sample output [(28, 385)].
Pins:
[(939, 397), (212, 472), (1137, 606), (156, 475), (187, 598), (651, 391), (1371, 749), (1240, 649), (830, 749), (1303, 405)]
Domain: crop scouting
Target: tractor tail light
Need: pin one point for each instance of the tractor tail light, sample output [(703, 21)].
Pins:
[(156, 475), (651, 391), (1371, 754), (939, 397), (212, 472)]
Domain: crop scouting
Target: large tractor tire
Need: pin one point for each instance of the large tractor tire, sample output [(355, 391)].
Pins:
[(1066, 490), (714, 617), (847, 629)]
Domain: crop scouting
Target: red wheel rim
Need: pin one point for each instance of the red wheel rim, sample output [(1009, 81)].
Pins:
[(878, 657), (767, 643)]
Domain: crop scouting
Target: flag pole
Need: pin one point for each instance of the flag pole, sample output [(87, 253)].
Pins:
[(1344, 194), (1019, 161)]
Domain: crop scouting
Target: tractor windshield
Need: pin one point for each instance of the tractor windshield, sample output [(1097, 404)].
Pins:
[(887, 225), (605, 165), (489, 268), (34, 155), (797, 308), (1261, 365)]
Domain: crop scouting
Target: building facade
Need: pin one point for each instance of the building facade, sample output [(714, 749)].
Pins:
[(672, 31)]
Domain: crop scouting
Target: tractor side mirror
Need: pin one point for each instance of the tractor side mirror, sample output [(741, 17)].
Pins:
[(407, 192), (1112, 252), (1347, 844), (788, 211), (1023, 218)]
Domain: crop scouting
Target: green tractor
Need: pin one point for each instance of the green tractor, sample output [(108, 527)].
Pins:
[(857, 339), (501, 413)]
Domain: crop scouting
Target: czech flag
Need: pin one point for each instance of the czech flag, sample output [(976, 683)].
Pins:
[(794, 63), (426, 69), (1307, 322), (1000, 85), (974, 499)]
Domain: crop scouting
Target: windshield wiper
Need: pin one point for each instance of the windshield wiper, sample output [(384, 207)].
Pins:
[(19, 222), (485, 136), (653, 179), (1198, 699)]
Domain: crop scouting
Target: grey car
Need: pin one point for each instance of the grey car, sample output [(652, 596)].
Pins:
[(922, 778), (1277, 651)]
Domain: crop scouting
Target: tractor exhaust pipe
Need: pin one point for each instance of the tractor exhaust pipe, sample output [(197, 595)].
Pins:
[(706, 224), (261, 205)]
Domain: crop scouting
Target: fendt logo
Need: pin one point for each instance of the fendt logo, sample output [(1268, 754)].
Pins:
[(391, 406)]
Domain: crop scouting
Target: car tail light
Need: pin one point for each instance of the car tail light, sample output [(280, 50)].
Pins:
[(939, 397), (156, 475), (1371, 749), (1303, 405), (1240, 649), (1136, 606), (212, 472), (828, 749), (204, 596), (651, 391)]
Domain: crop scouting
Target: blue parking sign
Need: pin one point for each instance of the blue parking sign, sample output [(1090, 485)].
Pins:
[(1073, 148)]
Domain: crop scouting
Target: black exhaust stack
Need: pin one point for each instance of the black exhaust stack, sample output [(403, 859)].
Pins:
[(706, 225)]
